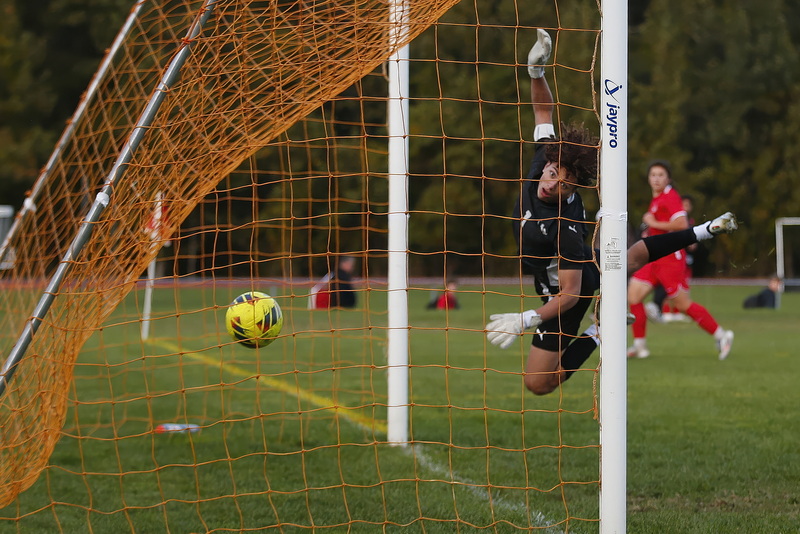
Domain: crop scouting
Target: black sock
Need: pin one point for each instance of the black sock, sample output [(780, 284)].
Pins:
[(665, 244), (576, 354)]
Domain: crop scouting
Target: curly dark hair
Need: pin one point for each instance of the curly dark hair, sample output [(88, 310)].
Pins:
[(577, 152)]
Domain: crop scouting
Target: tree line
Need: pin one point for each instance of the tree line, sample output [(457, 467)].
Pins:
[(712, 88)]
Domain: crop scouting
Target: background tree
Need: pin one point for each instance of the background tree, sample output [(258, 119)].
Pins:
[(713, 88), (49, 51), (26, 102)]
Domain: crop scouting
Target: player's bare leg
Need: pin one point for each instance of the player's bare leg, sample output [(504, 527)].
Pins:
[(543, 371)]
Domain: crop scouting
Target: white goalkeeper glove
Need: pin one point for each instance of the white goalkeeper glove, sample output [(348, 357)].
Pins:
[(505, 327), (539, 54)]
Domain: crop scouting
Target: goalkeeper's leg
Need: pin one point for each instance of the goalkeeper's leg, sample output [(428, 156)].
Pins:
[(555, 353), (579, 351), (654, 247), (541, 371)]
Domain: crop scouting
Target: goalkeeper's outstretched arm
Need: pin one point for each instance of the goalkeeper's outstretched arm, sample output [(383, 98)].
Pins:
[(541, 95), (504, 328)]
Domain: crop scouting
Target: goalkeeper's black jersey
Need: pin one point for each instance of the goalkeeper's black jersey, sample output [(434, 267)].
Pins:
[(552, 236)]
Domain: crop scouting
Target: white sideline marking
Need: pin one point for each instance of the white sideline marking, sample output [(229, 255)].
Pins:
[(536, 518)]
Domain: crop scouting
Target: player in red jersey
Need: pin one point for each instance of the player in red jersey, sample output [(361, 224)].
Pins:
[(666, 214)]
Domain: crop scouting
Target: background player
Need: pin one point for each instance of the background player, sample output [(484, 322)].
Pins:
[(657, 311), (666, 214)]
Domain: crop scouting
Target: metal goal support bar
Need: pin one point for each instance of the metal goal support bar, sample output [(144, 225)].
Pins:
[(169, 77)]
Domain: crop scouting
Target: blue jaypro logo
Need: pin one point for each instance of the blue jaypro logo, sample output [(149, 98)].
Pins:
[(612, 112)]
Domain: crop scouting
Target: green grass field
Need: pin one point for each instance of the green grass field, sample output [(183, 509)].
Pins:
[(293, 436)]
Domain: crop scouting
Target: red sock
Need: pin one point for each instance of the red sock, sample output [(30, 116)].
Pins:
[(703, 319), (640, 324)]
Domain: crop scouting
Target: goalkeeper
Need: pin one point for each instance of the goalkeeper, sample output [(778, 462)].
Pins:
[(551, 231)]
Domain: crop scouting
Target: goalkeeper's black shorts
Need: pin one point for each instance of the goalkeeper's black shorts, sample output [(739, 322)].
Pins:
[(554, 335)]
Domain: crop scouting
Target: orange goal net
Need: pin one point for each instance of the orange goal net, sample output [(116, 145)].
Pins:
[(263, 167)]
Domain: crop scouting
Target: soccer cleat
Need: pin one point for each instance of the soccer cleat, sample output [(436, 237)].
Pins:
[(724, 224), (653, 312), (633, 352), (724, 344)]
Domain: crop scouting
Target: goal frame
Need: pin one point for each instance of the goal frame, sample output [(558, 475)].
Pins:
[(613, 114), (780, 255)]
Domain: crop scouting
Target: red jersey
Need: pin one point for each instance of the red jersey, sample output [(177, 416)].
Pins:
[(446, 301), (669, 271), (666, 207)]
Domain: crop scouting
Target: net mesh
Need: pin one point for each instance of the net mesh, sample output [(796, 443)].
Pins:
[(263, 168), (256, 69)]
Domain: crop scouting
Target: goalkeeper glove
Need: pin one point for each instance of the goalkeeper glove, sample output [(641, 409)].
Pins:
[(539, 54), (505, 327)]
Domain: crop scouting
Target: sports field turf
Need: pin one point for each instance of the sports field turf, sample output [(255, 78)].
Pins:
[(291, 434)]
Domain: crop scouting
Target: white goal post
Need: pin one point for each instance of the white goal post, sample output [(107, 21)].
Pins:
[(613, 265)]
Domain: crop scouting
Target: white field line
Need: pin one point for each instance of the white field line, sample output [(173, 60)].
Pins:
[(436, 468)]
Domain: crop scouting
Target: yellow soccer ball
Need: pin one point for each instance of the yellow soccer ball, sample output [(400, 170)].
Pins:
[(254, 319)]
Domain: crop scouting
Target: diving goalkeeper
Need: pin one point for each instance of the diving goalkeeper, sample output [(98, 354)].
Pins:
[(551, 230)]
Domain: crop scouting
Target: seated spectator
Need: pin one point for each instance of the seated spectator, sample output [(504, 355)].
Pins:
[(767, 297), (444, 300), (335, 289)]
